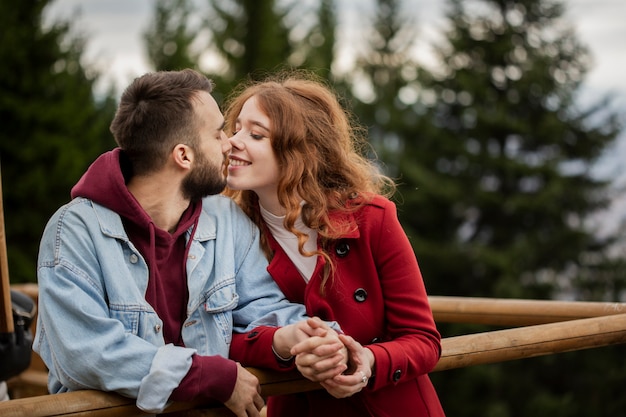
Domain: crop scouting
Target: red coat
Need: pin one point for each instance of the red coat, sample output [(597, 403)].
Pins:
[(377, 296)]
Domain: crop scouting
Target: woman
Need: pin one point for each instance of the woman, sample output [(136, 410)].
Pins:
[(335, 244)]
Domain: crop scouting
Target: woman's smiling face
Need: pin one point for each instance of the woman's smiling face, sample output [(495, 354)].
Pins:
[(253, 165)]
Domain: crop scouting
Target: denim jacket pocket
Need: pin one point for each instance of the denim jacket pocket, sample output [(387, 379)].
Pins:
[(219, 300), (139, 321), (219, 304)]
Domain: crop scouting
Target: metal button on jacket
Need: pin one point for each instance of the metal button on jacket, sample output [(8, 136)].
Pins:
[(342, 249), (360, 295), (397, 375)]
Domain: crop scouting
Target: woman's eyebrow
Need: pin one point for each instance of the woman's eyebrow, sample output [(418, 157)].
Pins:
[(261, 125), (255, 123)]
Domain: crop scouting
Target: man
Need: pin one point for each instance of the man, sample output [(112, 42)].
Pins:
[(141, 279)]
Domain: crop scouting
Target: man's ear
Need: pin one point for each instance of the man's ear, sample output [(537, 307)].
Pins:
[(183, 156)]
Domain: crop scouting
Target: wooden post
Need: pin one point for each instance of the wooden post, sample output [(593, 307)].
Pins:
[(6, 315)]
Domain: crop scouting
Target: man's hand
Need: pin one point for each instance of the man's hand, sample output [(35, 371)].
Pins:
[(322, 355), (245, 400), (288, 336)]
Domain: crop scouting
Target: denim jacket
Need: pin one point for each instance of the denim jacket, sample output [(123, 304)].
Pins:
[(95, 329)]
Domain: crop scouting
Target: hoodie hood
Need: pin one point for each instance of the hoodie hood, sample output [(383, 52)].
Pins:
[(104, 183)]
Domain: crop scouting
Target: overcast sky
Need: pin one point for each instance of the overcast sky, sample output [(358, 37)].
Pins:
[(114, 29)]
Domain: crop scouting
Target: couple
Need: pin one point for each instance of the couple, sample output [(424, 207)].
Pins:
[(149, 279)]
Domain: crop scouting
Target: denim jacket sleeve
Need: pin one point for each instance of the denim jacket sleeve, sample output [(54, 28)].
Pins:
[(95, 330), (261, 302)]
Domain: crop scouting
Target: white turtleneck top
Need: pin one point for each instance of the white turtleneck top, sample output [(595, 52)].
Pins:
[(289, 242)]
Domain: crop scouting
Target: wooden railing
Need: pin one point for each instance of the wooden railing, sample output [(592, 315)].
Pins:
[(515, 312), (549, 327)]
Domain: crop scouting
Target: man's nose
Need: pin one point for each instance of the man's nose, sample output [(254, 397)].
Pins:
[(226, 146)]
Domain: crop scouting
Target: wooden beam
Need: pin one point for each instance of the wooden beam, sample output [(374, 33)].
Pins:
[(531, 341), (92, 403), (458, 352), (516, 312)]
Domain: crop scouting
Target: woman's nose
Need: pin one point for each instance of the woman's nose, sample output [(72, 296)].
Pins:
[(234, 141)]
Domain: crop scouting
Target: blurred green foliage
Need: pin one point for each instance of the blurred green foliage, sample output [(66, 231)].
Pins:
[(53, 126)]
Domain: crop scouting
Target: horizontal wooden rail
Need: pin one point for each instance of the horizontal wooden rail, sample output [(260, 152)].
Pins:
[(516, 312), (458, 352), (531, 341)]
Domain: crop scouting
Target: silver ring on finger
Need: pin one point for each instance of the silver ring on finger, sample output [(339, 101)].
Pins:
[(363, 377)]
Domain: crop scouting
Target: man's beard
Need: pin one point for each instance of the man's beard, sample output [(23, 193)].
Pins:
[(204, 179)]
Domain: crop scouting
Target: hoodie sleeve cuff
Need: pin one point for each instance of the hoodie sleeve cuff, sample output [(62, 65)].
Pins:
[(210, 378)]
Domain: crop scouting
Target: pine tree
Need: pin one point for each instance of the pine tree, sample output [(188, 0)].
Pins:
[(501, 161), (169, 39), (391, 72), (316, 49), (253, 38), (234, 40), (250, 38), (53, 126)]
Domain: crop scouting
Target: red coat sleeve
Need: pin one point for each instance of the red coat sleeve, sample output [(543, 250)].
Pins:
[(254, 348)]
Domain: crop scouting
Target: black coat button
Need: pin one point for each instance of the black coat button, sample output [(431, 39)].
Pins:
[(252, 334), (342, 249), (360, 295), (397, 375)]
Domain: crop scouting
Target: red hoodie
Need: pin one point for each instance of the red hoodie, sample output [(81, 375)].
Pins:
[(165, 254)]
